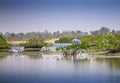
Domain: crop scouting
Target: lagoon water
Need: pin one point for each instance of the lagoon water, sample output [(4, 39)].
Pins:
[(19, 68)]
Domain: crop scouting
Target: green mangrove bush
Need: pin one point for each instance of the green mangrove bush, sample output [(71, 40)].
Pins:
[(3, 42)]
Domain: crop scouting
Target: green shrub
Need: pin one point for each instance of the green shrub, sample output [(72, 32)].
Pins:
[(35, 43), (3, 42), (64, 40)]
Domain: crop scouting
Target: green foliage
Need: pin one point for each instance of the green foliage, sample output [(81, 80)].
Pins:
[(35, 43), (102, 42), (106, 41), (64, 40), (3, 42), (83, 45)]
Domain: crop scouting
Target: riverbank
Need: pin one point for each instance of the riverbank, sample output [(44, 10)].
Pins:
[(104, 55)]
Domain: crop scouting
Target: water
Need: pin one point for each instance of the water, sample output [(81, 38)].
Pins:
[(61, 44), (28, 68), (55, 45)]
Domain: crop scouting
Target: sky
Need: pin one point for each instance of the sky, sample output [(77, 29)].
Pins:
[(58, 15)]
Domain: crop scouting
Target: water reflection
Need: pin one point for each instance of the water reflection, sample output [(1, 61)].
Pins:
[(32, 68), (32, 55), (3, 55)]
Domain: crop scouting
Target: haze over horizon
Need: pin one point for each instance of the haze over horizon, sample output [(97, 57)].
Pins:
[(58, 15)]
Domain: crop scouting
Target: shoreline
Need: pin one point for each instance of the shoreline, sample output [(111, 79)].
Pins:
[(104, 55), (90, 54)]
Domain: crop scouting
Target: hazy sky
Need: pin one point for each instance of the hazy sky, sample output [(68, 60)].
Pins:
[(52, 15)]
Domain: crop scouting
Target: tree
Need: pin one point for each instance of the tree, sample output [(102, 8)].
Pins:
[(102, 31), (35, 43), (1, 33), (3, 42)]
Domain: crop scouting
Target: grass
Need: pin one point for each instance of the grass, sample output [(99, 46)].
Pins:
[(52, 40), (47, 41), (16, 42)]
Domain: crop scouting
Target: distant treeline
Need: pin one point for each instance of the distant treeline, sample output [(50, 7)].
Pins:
[(46, 35)]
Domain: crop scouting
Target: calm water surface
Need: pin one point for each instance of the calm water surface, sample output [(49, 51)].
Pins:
[(16, 68)]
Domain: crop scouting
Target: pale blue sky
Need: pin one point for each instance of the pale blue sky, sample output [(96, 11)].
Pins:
[(52, 15)]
